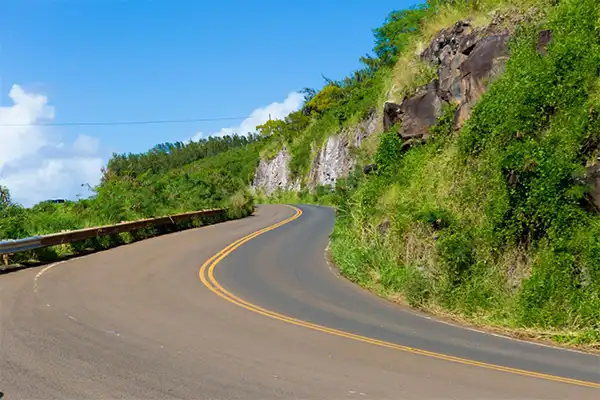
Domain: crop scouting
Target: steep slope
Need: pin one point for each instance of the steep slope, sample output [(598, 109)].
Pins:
[(481, 207), (477, 196)]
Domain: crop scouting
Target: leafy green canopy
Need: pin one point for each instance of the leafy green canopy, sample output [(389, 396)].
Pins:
[(166, 156)]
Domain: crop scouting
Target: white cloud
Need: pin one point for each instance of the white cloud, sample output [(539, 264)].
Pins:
[(259, 116), (34, 164), (86, 144), (22, 139), (58, 178)]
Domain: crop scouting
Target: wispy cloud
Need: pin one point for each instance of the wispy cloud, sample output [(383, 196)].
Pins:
[(277, 110)]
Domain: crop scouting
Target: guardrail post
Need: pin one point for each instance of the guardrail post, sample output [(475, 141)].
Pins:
[(5, 258)]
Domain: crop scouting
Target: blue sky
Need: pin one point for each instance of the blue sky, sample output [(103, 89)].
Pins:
[(109, 60)]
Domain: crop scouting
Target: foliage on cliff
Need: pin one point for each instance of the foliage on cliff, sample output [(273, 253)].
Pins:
[(342, 103), (493, 223)]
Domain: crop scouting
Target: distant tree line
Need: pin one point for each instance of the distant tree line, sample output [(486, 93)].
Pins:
[(168, 156)]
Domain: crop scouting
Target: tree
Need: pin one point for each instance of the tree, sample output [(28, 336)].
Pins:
[(392, 37), (5, 199), (308, 93), (297, 122), (273, 127), (325, 99)]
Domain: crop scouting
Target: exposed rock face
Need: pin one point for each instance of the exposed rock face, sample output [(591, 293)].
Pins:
[(335, 160), (365, 129), (274, 174), (417, 113), (593, 179), (331, 163), (467, 59), (487, 60)]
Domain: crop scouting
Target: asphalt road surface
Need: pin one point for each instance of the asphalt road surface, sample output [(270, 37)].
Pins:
[(188, 316)]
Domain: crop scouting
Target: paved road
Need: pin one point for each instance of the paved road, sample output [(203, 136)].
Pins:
[(136, 322)]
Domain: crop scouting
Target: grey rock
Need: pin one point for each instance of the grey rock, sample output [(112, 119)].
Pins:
[(335, 160), (366, 128), (274, 174), (544, 39), (367, 169), (331, 163)]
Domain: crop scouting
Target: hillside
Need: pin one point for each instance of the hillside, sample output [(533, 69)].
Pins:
[(465, 165), (462, 160)]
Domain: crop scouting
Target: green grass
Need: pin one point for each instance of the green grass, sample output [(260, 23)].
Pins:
[(489, 225)]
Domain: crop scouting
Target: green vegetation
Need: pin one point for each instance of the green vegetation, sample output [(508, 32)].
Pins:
[(493, 223), (143, 186), (168, 156), (342, 104)]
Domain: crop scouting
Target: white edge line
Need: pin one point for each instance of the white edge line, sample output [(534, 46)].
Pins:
[(46, 268)]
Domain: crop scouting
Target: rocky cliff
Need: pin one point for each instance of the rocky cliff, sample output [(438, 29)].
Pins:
[(467, 59), (335, 160), (274, 174)]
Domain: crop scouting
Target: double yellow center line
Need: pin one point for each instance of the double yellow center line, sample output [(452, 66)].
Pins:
[(208, 279)]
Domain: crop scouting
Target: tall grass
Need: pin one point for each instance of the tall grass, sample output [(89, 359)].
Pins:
[(490, 224)]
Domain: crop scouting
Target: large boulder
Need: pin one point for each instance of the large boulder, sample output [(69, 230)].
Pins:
[(274, 174), (486, 60), (417, 113), (466, 59)]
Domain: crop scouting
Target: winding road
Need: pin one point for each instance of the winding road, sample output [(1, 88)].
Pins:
[(250, 309)]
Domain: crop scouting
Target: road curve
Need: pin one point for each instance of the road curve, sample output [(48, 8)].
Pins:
[(267, 319)]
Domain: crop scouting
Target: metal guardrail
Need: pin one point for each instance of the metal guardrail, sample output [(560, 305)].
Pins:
[(37, 242)]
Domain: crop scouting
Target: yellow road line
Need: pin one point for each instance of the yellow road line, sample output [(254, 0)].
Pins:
[(207, 277)]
